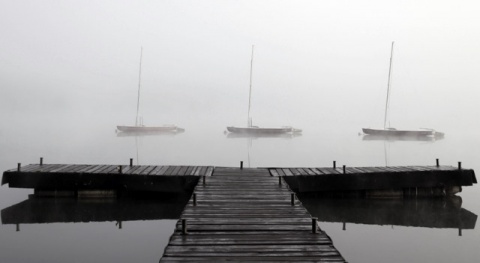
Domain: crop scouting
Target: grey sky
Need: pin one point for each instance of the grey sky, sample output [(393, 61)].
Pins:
[(316, 62)]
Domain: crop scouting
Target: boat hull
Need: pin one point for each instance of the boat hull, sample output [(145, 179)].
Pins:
[(392, 132), (147, 128), (256, 130)]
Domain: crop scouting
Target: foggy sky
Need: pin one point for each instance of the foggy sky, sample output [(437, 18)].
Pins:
[(317, 63)]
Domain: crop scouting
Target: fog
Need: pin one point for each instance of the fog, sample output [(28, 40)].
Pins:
[(318, 64), (69, 73)]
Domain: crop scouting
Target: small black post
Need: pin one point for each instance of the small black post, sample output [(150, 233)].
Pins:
[(344, 169), (241, 164), (119, 169), (292, 199), (279, 180), (344, 226), (438, 163), (314, 225), (184, 226), (459, 165), (459, 232), (41, 160), (18, 167), (119, 224), (131, 161), (334, 164), (194, 199), (18, 228)]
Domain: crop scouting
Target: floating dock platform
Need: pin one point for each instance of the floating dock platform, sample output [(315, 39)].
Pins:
[(241, 214), (110, 180)]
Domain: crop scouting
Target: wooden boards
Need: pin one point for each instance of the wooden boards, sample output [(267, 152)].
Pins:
[(247, 215), (356, 170), (73, 177), (174, 170), (161, 178), (441, 180)]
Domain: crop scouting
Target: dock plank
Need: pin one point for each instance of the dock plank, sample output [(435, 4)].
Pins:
[(162, 170), (244, 215)]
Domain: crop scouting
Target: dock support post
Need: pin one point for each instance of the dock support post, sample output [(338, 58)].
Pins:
[(18, 228), (18, 167), (41, 160), (459, 165), (292, 199), (438, 163), (203, 180), (241, 164), (344, 169), (194, 199), (279, 180), (314, 225), (459, 232), (184, 226), (334, 164), (344, 227), (120, 169), (131, 162)]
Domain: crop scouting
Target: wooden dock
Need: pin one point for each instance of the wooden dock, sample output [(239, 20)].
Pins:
[(75, 177), (247, 215), (72, 179), (391, 180)]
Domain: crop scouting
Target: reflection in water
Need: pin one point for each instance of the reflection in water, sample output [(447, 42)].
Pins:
[(233, 135), (250, 137), (428, 212), (370, 137), (70, 210), (150, 133)]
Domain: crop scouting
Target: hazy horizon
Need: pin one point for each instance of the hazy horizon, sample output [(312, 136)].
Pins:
[(316, 64), (69, 76)]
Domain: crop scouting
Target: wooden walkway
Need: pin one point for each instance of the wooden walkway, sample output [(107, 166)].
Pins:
[(357, 170), (247, 215), (51, 179), (152, 170), (406, 180)]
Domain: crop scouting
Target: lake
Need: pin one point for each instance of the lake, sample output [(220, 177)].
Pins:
[(423, 230)]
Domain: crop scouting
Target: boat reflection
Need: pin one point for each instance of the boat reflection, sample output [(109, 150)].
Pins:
[(377, 137), (427, 212), (149, 133), (37, 210), (233, 135)]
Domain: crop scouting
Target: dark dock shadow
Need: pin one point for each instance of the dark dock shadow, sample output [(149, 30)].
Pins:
[(421, 212), (39, 210)]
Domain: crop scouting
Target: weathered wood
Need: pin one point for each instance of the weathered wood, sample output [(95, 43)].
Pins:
[(182, 170), (162, 170), (68, 177), (176, 170), (244, 215)]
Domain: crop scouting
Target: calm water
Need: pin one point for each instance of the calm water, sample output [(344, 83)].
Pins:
[(91, 231)]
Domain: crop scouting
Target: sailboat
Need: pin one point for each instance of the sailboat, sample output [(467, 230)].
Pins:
[(255, 130), (389, 131), (139, 127)]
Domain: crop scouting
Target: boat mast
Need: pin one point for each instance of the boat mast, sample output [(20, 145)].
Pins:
[(388, 88), (139, 82), (249, 121)]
